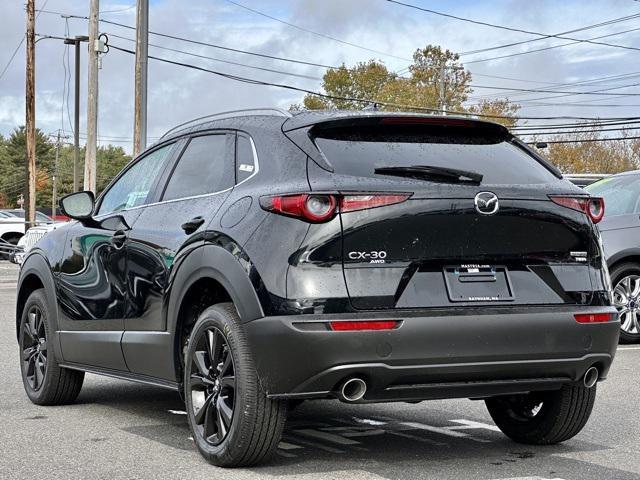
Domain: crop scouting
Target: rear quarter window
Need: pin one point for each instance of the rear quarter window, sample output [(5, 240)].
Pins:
[(497, 158)]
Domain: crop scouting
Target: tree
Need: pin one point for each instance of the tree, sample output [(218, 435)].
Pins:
[(500, 111), (110, 160), (364, 80), (603, 156), (422, 89)]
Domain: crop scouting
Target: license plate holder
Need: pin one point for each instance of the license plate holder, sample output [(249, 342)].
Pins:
[(478, 283)]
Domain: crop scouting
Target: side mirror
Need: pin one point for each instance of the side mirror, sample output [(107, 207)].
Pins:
[(78, 206)]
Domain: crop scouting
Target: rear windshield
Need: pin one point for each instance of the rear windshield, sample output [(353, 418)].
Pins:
[(495, 157), (621, 194)]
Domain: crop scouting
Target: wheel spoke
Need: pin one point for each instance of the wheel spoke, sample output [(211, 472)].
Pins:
[(636, 324), (224, 369), (200, 415), (199, 382), (201, 362), (27, 353), (626, 283), (210, 420), (43, 345), (626, 321), (225, 412), (213, 346), (228, 382), (39, 372)]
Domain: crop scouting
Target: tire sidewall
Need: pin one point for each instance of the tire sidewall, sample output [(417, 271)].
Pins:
[(223, 318), (38, 298), (617, 273)]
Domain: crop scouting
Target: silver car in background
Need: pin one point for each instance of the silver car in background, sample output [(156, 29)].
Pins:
[(620, 231)]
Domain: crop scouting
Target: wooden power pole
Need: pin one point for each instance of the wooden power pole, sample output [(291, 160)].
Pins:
[(140, 96), (92, 101), (30, 121), (54, 193)]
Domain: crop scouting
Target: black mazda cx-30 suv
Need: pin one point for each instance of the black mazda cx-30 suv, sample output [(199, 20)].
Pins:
[(254, 258)]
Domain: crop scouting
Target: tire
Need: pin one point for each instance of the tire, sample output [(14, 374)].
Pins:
[(543, 418), (628, 305), (13, 240), (226, 435), (45, 382)]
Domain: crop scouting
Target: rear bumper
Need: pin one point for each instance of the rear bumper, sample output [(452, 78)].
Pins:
[(447, 354)]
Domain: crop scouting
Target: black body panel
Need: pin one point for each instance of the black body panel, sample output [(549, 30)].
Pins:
[(126, 287)]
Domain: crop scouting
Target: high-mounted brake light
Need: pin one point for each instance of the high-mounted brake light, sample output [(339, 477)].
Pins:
[(593, 317), (321, 207), (350, 326), (593, 207)]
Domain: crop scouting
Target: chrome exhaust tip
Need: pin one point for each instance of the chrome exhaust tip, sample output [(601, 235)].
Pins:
[(591, 377), (353, 390)]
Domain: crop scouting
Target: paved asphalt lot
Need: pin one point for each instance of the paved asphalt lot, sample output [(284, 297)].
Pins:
[(119, 430)]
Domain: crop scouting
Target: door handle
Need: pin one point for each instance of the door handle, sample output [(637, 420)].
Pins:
[(192, 225), (118, 239)]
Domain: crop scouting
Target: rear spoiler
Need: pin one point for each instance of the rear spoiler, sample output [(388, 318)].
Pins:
[(302, 129)]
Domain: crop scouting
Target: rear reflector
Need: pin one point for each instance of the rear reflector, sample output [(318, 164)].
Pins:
[(349, 326), (593, 317)]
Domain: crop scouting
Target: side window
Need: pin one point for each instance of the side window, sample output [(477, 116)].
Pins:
[(132, 188), (245, 159), (204, 167)]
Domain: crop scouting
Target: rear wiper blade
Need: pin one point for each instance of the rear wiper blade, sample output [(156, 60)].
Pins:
[(429, 172)]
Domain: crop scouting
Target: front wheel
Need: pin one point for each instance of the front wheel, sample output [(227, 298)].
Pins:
[(45, 382), (232, 421), (543, 418)]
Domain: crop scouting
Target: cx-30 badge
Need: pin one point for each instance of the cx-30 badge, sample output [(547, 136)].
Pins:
[(486, 203)]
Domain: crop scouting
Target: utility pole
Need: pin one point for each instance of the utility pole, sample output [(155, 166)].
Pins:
[(30, 121), (442, 93), (142, 58), (76, 100), (54, 193), (92, 101)]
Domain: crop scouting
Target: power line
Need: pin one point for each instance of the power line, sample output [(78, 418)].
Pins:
[(575, 30), (282, 72), (15, 52), (350, 99), (588, 140), (197, 42), (532, 90), (549, 48), (319, 34), (503, 27)]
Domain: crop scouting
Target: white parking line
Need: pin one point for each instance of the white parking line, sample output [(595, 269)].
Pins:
[(471, 425), (630, 347)]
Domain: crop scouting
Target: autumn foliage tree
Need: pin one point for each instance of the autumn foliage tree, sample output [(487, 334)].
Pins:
[(432, 68)]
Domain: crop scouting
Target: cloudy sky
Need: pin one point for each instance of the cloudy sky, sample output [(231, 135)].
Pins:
[(390, 30)]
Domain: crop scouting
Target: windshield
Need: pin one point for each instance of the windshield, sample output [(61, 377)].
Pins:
[(498, 160), (621, 194)]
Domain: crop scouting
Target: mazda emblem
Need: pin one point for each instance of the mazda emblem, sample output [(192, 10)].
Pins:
[(486, 203)]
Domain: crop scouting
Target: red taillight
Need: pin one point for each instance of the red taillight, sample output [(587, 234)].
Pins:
[(593, 207), (313, 208), (321, 207), (351, 203), (593, 317), (350, 326)]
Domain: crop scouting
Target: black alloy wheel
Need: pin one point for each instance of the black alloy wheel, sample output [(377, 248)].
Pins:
[(212, 386), (34, 348)]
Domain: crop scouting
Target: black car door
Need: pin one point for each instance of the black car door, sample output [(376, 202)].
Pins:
[(91, 287), (165, 233)]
